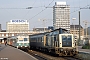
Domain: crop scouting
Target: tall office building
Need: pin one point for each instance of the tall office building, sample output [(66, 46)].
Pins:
[(17, 26), (61, 15)]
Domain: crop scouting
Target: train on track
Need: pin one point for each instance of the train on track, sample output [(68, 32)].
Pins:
[(19, 41), (58, 42)]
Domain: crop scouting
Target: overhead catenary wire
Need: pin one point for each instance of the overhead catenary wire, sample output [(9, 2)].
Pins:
[(45, 9), (86, 7), (29, 10), (41, 10), (79, 8)]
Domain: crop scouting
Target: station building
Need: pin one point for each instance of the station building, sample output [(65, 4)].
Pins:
[(17, 25)]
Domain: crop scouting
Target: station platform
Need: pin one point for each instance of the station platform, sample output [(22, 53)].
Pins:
[(83, 50), (11, 53)]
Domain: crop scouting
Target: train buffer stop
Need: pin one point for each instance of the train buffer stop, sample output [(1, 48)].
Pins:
[(11, 53)]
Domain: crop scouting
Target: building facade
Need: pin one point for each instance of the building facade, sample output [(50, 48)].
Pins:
[(40, 29), (87, 31), (17, 25), (74, 29), (61, 15)]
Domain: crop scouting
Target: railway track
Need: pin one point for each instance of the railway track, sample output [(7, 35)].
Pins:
[(72, 58), (46, 56)]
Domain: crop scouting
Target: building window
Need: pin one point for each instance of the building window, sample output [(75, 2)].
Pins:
[(2, 34), (12, 34), (6, 34)]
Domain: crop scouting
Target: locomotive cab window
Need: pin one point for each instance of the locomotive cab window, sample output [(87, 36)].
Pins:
[(66, 41)]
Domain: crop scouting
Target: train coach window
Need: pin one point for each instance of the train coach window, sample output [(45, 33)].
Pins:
[(25, 39), (42, 39), (20, 40)]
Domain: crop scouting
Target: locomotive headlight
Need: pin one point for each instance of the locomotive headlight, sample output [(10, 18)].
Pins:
[(61, 49)]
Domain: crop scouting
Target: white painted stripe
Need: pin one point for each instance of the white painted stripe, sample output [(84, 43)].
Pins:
[(84, 52)]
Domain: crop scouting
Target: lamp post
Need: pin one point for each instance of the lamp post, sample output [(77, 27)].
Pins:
[(43, 23), (74, 24), (74, 32), (86, 27), (79, 29)]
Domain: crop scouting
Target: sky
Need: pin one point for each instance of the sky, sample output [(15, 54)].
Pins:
[(16, 9)]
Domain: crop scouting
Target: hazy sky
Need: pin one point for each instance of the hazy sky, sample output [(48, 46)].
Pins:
[(15, 9)]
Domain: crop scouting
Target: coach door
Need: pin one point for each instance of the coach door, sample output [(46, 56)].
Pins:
[(56, 44), (56, 47), (56, 41)]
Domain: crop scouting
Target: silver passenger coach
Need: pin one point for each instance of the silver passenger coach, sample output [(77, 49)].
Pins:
[(19, 41)]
